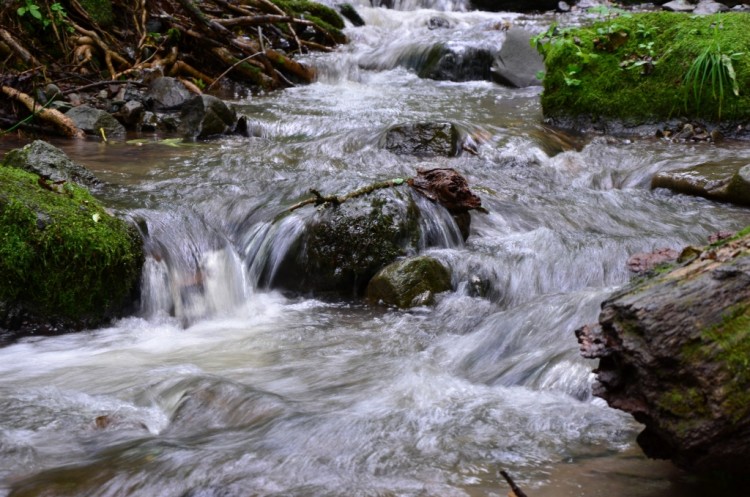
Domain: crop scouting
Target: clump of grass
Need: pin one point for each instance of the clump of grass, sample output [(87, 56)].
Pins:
[(714, 69)]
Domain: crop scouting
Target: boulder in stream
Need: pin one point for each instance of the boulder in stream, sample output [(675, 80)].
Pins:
[(727, 181), (518, 63), (342, 247), (65, 262), (204, 116), (95, 121), (673, 351), (48, 161), (409, 282), (424, 139)]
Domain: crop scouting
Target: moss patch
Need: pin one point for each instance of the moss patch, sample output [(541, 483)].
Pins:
[(99, 10), (61, 255), (319, 14), (633, 68)]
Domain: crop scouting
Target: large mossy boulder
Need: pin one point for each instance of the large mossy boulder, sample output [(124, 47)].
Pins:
[(648, 68), (342, 247), (65, 263), (674, 352), (410, 282), (723, 181)]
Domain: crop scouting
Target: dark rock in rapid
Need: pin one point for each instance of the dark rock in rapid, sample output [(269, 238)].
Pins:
[(518, 63), (48, 161), (673, 351), (409, 283), (424, 139), (95, 121), (449, 63), (341, 248), (204, 116), (727, 181)]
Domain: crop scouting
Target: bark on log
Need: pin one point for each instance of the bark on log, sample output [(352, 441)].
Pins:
[(58, 119), (674, 351)]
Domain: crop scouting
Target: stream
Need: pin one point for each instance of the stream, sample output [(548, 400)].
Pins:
[(239, 390)]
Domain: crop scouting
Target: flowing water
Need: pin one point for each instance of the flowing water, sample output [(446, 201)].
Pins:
[(225, 388)]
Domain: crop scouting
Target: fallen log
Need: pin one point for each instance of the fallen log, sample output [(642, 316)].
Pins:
[(58, 119)]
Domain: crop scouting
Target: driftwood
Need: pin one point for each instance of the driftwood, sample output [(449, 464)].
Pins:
[(58, 119), (514, 490), (334, 200)]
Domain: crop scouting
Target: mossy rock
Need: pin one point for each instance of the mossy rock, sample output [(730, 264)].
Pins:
[(409, 282), (100, 11), (342, 247), (65, 263), (633, 69), (321, 15), (39, 157)]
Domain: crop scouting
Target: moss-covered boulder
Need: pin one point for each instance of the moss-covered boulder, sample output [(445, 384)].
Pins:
[(727, 181), (65, 263), (410, 282), (342, 247), (646, 68), (674, 351)]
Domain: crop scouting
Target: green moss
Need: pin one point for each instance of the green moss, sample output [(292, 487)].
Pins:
[(99, 10), (321, 15), (61, 254), (633, 68)]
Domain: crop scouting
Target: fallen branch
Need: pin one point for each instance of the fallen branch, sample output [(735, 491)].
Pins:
[(334, 200), (17, 48), (58, 119), (515, 491)]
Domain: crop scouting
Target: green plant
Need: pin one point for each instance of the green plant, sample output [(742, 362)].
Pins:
[(56, 11), (714, 68), (32, 9)]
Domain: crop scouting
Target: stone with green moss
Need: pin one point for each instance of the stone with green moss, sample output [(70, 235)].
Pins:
[(320, 15), (410, 282), (342, 247), (675, 352), (636, 69), (65, 263)]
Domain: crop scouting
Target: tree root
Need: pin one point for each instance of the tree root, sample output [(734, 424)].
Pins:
[(58, 119)]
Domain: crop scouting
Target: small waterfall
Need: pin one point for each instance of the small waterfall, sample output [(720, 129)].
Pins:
[(442, 5)]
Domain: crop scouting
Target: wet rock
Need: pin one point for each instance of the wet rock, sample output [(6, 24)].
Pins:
[(342, 247), (409, 283), (350, 13), (724, 181), (679, 6), (438, 23), (204, 116), (131, 113), (563, 7), (645, 262), (673, 352), (424, 139), (518, 63), (165, 93), (706, 7), (48, 161), (66, 263), (92, 121), (454, 63), (514, 5)]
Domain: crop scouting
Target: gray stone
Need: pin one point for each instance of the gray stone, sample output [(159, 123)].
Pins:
[(131, 113), (409, 283), (722, 181), (92, 120), (706, 7), (39, 157), (165, 93), (424, 139), (678, 6), (205, 115), (449, 63), (518, 63)]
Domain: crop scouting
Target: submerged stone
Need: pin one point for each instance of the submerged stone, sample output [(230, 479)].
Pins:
[(423, 139), (409, 283), (725, 181)]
